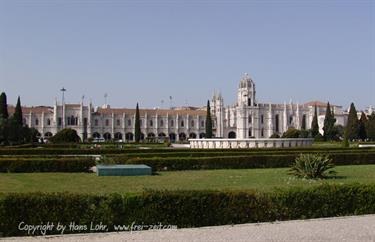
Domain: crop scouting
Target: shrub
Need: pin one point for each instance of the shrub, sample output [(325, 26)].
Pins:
[(312, 166), (66, 164), (291, 133), (275, 136), (183, 208), (65, 136)]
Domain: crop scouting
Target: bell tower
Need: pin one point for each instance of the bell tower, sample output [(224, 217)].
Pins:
[(246, 92)]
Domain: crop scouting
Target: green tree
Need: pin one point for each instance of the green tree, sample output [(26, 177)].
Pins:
[(208, 121), (137, 125), (362, 127), (329, 124), (3, 106), (315, 124), (18, 113), (65, 136), (291, 133), (370, 127), (352, 126)]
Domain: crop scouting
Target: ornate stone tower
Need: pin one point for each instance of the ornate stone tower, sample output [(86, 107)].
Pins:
[(217, 109), (245, 103), (246, 92)]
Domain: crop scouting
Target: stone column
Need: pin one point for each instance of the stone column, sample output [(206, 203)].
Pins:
[(270, 121)]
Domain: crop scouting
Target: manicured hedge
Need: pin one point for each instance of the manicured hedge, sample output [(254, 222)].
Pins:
[(242, 162), (123, 157), (183, 208), (66, 164)]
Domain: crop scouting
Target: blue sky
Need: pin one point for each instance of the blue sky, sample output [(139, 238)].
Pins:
[(145, 51)]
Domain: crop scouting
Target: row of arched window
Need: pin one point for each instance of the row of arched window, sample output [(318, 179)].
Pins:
[(130, 136), (150, 123)]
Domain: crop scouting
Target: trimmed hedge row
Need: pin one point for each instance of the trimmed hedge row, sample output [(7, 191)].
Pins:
[(81, 164), (193, 162), (181, 208), (123, 157), (241, 162)]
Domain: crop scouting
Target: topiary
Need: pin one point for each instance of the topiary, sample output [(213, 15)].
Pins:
[(65, 136)]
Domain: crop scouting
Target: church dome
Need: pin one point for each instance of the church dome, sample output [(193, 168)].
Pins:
[(246, 81)]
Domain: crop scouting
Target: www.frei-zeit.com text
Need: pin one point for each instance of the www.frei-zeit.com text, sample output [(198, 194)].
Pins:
[(61, 228)]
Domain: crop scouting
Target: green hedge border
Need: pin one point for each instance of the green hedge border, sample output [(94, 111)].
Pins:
[(184, 208)]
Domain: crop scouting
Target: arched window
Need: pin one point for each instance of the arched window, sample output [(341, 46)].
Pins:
[(232, 135), (262, 132), (96, 122), (118, 122), (118, 136), (192, 123), (36, 122), (249, 102), (161, 123), (68, 121), (262, 119), (250, 119), (182, 136), (151, 123), (202, 124), (129, 136), (192, 135), (182, 123), (48, 121)]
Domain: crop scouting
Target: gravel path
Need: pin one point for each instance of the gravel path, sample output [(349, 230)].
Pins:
[(356, 228)]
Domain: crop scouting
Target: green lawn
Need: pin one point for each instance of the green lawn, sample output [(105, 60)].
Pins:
[(262, 179)]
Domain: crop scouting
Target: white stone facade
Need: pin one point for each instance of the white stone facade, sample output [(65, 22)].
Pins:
[(245, 119), (249, 119)]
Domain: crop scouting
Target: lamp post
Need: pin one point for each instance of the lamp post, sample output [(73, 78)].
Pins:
[(63, 90)]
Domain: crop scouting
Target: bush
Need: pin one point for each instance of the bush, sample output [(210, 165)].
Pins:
[(182, 208), (275, 136), (312, 166), (242, 162), (65, 164), (65, 136), (291, 133)]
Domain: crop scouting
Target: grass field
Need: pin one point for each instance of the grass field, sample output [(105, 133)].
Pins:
[(262, 179)]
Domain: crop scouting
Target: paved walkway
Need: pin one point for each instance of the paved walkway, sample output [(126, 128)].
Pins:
[(356, 228)]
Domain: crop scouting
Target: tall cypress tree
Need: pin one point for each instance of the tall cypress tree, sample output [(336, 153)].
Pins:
[(329, 124), (208, 121), (137, 125), (315, 124), (370, 127), (352, 126), (362, 127), (18, 113), (3, 106)]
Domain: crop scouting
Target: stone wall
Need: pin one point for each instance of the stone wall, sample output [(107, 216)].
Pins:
[(248, 143)]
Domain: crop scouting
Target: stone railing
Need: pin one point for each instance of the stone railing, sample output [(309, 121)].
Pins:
[(248, 143)]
